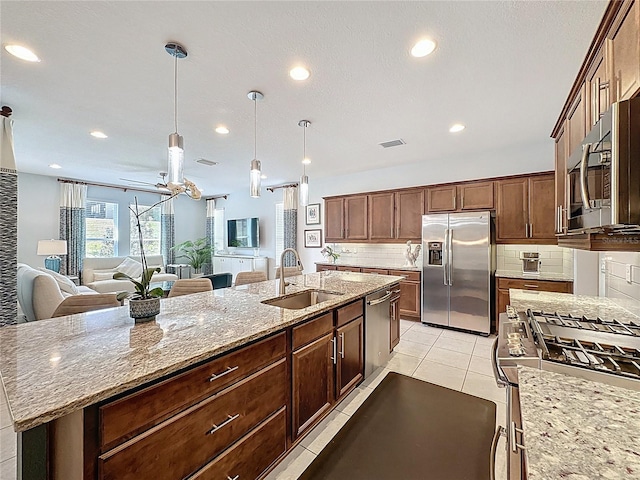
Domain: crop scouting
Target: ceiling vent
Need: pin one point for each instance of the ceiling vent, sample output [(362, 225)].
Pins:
[(208, 163), (392, 143)]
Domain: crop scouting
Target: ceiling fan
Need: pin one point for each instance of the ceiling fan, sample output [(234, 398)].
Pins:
[(159, 185)]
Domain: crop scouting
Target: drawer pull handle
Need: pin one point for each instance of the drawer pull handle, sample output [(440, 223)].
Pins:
[(530, 286), (230, 418), (396, 291), (234, 478), (216, 376)]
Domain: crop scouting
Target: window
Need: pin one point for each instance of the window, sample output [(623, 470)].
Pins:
[(101, 225), (151, 230), (279, 231)]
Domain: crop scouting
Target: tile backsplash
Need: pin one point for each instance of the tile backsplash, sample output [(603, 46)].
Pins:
[(386, 254), (622, 276), (553, 259)]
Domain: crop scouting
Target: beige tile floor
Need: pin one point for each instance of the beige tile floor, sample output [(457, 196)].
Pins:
[(456, 360)]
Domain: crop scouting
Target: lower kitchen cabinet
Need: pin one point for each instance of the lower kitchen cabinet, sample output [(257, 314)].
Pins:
[(410, 294), (395, 320), (350, 359), (349, 269), (324, 268)]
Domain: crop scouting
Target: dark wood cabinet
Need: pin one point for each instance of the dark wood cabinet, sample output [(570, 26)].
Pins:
[(350, 359), (323, 268), (561, 182), (598, 88), (476, 196), (576, 121), (442, 199), (394, 313), (409, 303), (408, 215), (313, 383), (624, 45), (525, 210), (348, 269), (356, 217), (334, 219), (382, 216)]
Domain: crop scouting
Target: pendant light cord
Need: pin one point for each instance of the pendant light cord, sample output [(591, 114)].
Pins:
[(175, 88), (255, 126), (304, 150)]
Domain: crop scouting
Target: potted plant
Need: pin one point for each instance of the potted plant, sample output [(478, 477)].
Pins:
[(198, 253), (144, 304)]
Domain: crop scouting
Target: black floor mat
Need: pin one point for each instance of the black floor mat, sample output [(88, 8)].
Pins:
[(409, 430)]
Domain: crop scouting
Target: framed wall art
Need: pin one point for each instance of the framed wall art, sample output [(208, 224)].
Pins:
[(313, 214), (313, 238)]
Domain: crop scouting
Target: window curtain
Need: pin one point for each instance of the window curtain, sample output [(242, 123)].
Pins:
[(210, 232), (167, 232), (290, 201), (8, 226), (73, 202)]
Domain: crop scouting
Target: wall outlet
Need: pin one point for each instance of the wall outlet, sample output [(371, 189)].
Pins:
[(603, 266), (628, 273)]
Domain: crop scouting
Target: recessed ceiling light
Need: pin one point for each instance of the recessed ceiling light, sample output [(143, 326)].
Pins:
[(54, 165), (299, 73), (222, 130), (98, 134), (456, 127), (306, 161), (22, 52), (263, 176), (423, 48)]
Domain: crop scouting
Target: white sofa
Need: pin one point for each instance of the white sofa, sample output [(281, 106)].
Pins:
[(39, 293), (97, 273)]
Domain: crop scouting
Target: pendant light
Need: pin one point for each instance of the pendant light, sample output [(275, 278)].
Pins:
[(304, 180), (256, 174), (176, 145)]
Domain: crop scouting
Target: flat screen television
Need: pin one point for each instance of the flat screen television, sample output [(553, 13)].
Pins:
[(243, 233)]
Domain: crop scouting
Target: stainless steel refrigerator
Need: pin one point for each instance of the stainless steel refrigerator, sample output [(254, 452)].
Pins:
[(457, 272)]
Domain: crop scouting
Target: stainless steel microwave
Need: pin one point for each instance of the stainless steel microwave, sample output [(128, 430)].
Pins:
[(603, 173)]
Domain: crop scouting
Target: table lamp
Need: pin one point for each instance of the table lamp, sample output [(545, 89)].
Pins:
[(52, 248)]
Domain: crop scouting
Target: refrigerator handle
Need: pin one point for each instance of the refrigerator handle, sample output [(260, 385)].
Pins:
[(445, 258), (450, 257)]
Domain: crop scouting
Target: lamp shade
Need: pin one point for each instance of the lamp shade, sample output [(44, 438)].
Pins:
[(52, 247)]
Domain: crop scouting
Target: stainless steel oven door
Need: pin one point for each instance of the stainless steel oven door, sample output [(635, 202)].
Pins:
[(589, 179), (516, 450)]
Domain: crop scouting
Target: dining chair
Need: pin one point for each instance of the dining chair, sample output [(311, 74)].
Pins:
[(188, 286), (244, 278)]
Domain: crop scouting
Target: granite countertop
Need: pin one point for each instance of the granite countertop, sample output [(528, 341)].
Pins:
[(578, 429), (51, 368), (556, 277), (376, 264), (577, 305)]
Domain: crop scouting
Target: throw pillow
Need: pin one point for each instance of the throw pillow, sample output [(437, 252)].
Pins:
[(100, 275), (63, 282), (130, 267)]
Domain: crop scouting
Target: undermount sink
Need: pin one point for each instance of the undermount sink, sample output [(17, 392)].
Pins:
[(302, 299)]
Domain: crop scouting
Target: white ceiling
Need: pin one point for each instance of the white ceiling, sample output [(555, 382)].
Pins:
[(501, 68)]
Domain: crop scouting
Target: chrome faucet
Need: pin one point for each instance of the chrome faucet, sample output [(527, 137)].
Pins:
[(282, 286)]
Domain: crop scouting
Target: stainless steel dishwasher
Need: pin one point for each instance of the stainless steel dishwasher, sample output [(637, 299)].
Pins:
[(377, 329)]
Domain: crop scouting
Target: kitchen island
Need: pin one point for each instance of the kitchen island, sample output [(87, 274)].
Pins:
[(578, 429), (99, 381)]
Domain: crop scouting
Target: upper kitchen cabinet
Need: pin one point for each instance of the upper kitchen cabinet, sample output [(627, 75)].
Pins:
[(382, 216), (334, 219), (356, 217), (525, 210), (409, 211), (598, 88), (624, 48), (561, 181), (461, 197), (576, 120)]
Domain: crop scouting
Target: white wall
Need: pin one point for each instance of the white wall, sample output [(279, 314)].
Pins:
[(616, 285), (39, 213)]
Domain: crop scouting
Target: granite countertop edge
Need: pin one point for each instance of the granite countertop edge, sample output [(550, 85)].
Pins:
[(38, 417), (371, 265), (546, 276)]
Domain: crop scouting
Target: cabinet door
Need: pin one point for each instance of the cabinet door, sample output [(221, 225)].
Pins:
[(541, 209), (561, 181), (395, 323), (348, 269), (512, 209), (442, 199), (409, 211), (625, 52), (502, 300), (313, 382), (350, 364), (576, 121), (381, 216), (410, 299), (356, 217), (323, 268), (334, 219), (476, 196), (598, 88)]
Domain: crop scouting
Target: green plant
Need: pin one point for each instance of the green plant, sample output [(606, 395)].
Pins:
[(234, 243), (197, 252), (327, 252)]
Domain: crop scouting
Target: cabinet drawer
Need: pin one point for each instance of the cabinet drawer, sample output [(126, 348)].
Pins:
[(252, 455), (349, 312), (306, 333), (322, 268), (187, 441), (375, 270), (130, 415), (408, 275), (348, 269), (542, 285)]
